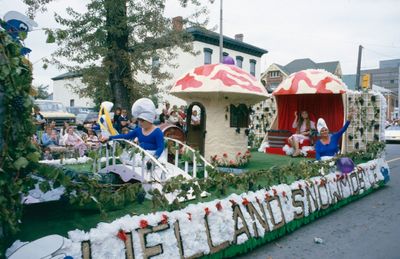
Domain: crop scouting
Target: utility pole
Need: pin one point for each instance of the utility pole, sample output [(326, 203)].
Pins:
[(359, 67), (221, 36)]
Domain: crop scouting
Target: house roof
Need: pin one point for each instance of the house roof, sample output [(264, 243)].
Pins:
[(300, 64), (283, 69), (67, 75), (328, 66), (206, 36), (306, 63)]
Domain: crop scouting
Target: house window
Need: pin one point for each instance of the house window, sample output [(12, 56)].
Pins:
[(207, 56), (72, 102), (253, 67), (274, 74), (239, 61), (239, 116), (392, 81), (155, 63), (225, 54)]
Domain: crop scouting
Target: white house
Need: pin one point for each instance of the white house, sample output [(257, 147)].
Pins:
[(63, 86), (205, 42)]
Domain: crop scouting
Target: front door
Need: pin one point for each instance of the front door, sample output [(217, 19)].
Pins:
[(196, 126)]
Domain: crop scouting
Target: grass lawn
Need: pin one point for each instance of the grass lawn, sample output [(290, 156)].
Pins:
[(59, 217)]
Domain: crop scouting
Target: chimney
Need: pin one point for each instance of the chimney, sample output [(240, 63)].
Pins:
[(239, 37), (177, 23)]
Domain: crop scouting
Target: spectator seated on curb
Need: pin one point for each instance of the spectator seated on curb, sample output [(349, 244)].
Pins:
[(71, 139), (92, 141)]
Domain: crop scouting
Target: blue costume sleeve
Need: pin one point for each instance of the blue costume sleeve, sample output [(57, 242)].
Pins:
[(342, 130), (96, 127), (131, 135), (160, 143)]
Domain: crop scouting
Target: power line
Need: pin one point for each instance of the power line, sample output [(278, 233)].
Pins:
[(381, 54)]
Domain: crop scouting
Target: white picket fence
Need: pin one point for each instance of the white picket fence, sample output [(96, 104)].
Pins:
[(167, 169)]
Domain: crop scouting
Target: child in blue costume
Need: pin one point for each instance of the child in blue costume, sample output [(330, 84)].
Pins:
[(328, 145), (149, 136)]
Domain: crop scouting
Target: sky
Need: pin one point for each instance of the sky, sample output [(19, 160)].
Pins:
[(322, 30)]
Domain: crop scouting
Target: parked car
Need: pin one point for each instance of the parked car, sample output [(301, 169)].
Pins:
[(85, 118), (55, 111), (76, 110), (392, 133)]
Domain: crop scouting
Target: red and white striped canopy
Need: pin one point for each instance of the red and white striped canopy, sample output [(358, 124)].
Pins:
[(226, 80), (311, 81)]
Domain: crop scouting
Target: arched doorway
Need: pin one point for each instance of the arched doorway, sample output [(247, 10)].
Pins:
[(196, 126)]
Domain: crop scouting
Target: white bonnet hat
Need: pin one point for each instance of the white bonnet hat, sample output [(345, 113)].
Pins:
[(145, 109), (14, 15), (107, 105), (321, 124)]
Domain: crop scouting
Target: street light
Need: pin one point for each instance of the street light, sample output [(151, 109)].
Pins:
[(221, 36)]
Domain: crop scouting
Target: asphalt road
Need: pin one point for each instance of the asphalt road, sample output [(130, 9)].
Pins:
[(367, 228)]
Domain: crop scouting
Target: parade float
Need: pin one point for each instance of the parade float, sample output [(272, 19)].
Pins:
[(237, 212)]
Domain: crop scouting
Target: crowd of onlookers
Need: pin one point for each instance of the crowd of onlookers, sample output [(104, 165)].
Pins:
[(177, 116), (79, 140)]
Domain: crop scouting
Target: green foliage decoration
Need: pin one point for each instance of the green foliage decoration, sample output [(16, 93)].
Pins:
[(222, 184), (18, 155)]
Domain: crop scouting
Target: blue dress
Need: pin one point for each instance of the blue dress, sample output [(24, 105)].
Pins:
[(333, 147), (154, 141)]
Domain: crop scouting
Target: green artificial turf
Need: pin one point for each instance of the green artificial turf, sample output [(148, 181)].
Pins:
[(60, 217), (260, 160)]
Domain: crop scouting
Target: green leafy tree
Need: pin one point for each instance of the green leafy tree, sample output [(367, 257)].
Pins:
[(114, 43), (41, 92)]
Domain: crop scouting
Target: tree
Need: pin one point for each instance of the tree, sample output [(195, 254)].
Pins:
[(41, 92), (113, 43)]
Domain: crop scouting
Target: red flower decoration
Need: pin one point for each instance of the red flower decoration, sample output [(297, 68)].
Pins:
[(233, 202), (164, 219), (143, 223), (322, 182), (121, 235), (219, 206), (275, 192), (284, 194), (207, 211), (245, 202), (189, 216), (247, 151), (267, 196), (225, 155), (239, 154), (299, 185)]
